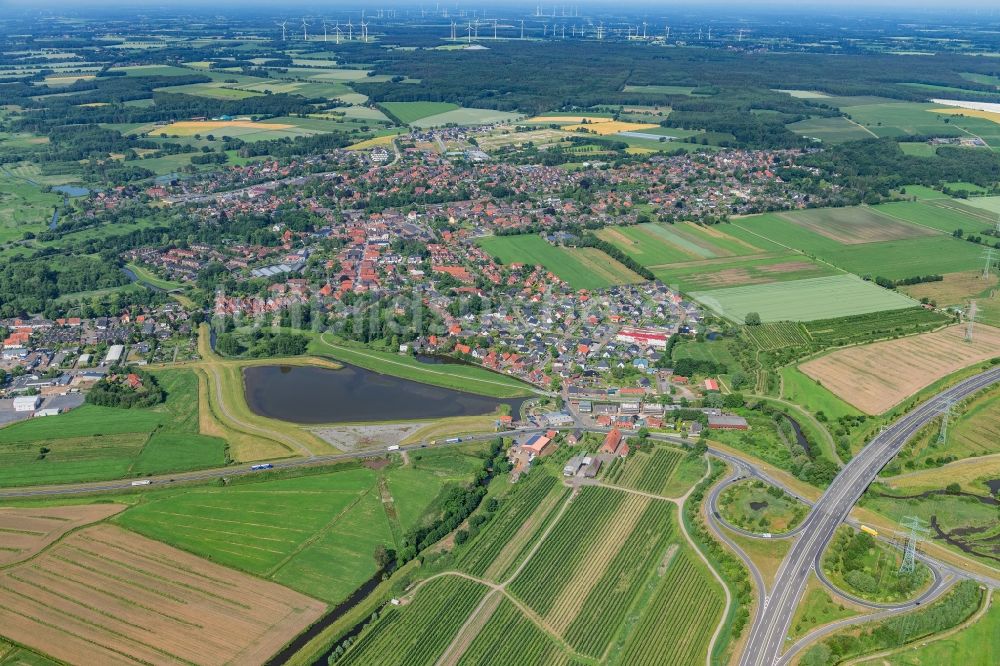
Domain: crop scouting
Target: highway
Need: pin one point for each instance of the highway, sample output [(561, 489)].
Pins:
[(767, 636)]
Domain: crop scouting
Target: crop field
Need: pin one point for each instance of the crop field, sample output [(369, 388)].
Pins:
[(591, 567), (803, 300), (943, 214), (610, 127), (693, 276), (410, 112), (539, 137), (850, 226), (418, 633), (510, 638), (315, 533), (581, 268), (716, 351), (830, 130), (213, 90), (647, 470), (655, 245), (91, 443), (954, 288), (777, 335), (520, 517), (893, 259), (104, 595), (878, 376), (465, 116), (26, 532), (859, 328), (679, 619), (988, 204)]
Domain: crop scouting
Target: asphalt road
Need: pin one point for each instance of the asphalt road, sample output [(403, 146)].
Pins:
[(767, 636)]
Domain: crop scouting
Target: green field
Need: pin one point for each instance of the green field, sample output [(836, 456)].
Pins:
[(942, 214), (649, 469), (581, 268), (755, 506), (23, 207), (509, 637), (660, 90), (803, 300), (410, 112), (894, 118), (465, 116), (830, 130), (976, 645), (893, 259), (717, 274), (806, 392), (655, 245), (92, 443), (988, 204), (316, 534), (716, 351), (858, 564), (417, 634)]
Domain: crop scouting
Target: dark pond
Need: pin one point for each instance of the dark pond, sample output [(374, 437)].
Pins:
[(757, 506), (353, 394)]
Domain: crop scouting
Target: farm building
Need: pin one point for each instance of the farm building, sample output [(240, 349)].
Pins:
[(573, 465), (586, 406), (26, 403), (614, 444), (712, 385), (558, 419), (537, 445), (727, 422), (591, 466)]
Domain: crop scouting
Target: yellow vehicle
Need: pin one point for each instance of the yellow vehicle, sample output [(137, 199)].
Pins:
[(869, 530)]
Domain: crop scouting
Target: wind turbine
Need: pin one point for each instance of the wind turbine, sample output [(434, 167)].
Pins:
[(469, 29), (337, 31), (522, 28), (644, 30), (494, 28), (364, 31), (667, 38), (324, 30), (350, 30), (453, 26), (282, 24), (305, 30)]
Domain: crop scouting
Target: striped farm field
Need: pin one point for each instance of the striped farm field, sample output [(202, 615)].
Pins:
[(608, 600), (565, 549), (803, 300), (103, 595), (679, 619), (521, 514), (777, 335), (725, 272), (648, 470), (511, 638), (878, 376), (419, 632), (855, 225)]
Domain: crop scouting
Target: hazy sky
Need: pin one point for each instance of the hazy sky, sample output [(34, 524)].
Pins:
[(829, 6)]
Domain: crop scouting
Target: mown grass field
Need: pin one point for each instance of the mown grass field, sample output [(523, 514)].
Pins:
[(581, 268), (92, 443), (655, 245), (729, 272), (754, 506), (316, 534), (465, 116), (803, 300)]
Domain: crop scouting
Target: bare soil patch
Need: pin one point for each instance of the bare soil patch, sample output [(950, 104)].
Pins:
[(107, 596), (954, 289), (25, 532), (878, 376), (856, 225)]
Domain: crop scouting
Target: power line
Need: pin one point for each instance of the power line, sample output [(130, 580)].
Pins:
[(916, 532)]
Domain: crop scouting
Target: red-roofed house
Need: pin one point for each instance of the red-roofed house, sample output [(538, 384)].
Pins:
[(612, 442)]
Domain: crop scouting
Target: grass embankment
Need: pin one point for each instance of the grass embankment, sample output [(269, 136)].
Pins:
[(816, 609), (468, 378), (151, 278)]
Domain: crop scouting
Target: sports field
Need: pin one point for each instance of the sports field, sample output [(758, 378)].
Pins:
[(104, 595), (581, 268), (803, 300), (880, 375)]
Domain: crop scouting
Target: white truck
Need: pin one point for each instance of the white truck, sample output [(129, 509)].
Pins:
[(394, 447)]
